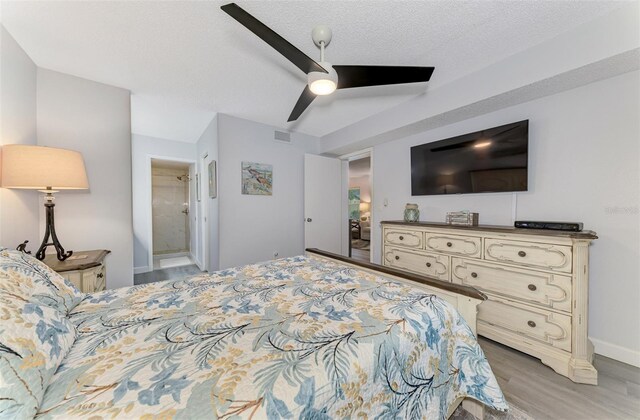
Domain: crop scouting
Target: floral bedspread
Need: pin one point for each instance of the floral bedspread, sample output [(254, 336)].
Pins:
[(293, 338)]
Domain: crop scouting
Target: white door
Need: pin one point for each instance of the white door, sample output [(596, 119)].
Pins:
[(204, 214), (323, 203), (193, 213)]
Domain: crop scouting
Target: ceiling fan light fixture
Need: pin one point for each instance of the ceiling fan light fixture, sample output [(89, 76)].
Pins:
[(323, 83), (322, 77), (322, 87)]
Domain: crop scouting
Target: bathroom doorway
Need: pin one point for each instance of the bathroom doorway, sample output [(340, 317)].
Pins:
[(171, 185)]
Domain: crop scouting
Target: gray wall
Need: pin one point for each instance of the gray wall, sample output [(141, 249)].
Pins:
[(19, 209), (208, 227), (583, 166), (94, 119), (253, 227)]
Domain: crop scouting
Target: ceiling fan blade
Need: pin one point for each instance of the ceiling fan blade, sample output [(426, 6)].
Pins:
[(284, 47), (303, 102), (360, 76)]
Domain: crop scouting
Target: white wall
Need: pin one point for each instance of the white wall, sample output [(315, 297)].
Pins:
[(208, 226), (143, 149), (584, 166), (253, 227), (19, 209), (94, 119)]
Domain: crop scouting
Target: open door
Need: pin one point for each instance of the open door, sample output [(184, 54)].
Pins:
[(323, 203)]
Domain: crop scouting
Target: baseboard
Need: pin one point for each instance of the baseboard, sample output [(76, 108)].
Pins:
[(619, 353), (174, 255), (140, 270)]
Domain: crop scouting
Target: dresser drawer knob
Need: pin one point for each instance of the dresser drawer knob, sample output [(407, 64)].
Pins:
[(532, 287), (397, 257), (100, 275), (474, 274), (522, 254), (401, 237), (428, 264), (449, 244), (531, 324)]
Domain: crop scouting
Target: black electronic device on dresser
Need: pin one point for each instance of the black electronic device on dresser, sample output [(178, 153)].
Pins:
[(566, 226)]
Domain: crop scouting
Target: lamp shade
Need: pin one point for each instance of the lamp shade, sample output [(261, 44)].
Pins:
[(38, 168), (364, 206)]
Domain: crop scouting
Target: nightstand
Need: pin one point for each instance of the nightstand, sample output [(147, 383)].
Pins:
[(85, 269)]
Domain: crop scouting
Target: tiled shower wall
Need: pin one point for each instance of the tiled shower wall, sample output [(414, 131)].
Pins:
[(170, 199)]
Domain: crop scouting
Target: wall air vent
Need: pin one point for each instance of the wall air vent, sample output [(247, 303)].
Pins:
[(282, 136)]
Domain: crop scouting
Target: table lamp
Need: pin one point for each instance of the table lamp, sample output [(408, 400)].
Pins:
[(47, 170), (364, 208)]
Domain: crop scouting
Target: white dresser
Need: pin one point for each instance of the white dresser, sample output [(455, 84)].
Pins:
[(537, 282)]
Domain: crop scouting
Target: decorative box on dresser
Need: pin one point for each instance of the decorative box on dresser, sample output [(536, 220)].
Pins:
[(537, 282), (85, 269)]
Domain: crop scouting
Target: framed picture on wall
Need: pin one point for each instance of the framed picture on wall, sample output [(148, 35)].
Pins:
[(257, 178), (354, 203), (198, 187), (213, 184)]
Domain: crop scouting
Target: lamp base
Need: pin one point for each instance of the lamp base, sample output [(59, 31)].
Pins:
[(50, 231)]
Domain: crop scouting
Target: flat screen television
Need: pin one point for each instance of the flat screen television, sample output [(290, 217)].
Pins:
[(491, 160)]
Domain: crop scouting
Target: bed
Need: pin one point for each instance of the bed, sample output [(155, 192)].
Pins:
[(314, 336)]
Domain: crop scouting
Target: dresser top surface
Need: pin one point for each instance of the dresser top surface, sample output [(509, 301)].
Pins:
[(80, 260), (585, 234)]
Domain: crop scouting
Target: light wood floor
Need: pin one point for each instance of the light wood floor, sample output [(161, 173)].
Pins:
[(543, 394), (360, 254), (173, 273)]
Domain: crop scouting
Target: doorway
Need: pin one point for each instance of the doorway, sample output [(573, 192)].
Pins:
[(360, 209), (170, 213)]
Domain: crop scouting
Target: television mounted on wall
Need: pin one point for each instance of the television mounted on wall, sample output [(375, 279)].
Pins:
[(491, 160)]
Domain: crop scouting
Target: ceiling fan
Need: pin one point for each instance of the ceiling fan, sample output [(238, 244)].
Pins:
[(324, 78)]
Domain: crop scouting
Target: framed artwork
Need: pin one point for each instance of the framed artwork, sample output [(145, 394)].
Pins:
[(257, 178), (213, 184), (198, 187), (354, 203)]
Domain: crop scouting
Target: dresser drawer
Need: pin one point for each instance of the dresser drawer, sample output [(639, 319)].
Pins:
[(467, 246), (545, 256), (404, 238), (547, 289), (431, 265), (547, 327)]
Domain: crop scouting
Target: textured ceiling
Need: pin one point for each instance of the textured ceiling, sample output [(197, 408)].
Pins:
[(184, 61)]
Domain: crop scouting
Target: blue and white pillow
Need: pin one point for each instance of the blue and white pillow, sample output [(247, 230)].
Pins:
[(34, 339), (33, 281)]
